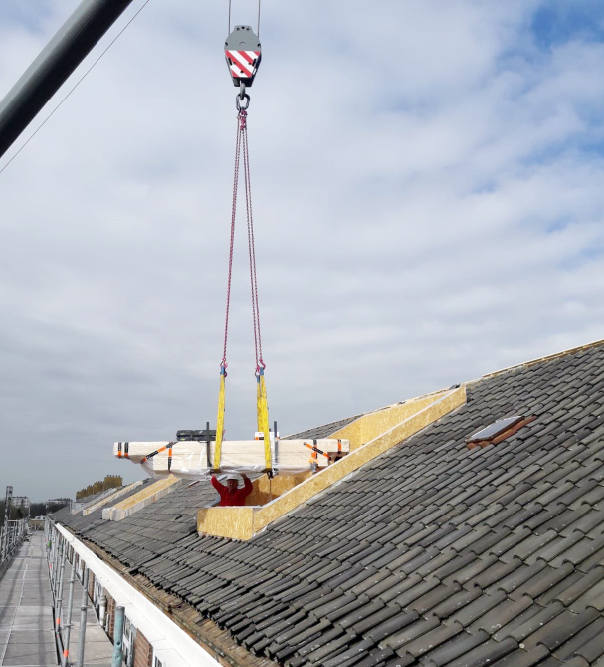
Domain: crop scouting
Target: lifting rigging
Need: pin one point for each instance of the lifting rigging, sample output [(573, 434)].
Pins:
[(243, 53)]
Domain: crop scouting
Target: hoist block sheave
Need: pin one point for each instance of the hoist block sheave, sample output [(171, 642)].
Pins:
[(243, 55)]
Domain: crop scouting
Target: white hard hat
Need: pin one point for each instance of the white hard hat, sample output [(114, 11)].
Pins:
[(232, 475)]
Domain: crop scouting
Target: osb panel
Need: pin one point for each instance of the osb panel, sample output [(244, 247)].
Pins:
[(370, 426), (243, 522), (266, 490), (235, 522), (160, 485)]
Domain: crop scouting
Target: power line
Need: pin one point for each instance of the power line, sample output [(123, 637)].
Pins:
[(70, 93)]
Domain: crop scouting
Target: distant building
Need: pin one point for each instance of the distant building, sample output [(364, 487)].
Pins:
[(20, 502), (60, 502)]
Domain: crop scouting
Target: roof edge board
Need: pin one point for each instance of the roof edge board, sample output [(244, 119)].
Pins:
[(243, 523), (161, 629), (213, 640)]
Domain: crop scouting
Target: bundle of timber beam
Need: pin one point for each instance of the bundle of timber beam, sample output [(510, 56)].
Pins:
[(192, 460)]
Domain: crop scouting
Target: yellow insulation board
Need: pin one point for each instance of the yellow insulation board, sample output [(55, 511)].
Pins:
[(370, 426), (110, 498), (243, 522), (149, 491)]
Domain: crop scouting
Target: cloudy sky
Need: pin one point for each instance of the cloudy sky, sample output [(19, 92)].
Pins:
[(429, 202)]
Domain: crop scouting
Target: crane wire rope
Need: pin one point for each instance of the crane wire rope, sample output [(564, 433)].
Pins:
[(230, 11), (70, 93)]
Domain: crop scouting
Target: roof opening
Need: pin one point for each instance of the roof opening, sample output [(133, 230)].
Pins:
[(498, 431)]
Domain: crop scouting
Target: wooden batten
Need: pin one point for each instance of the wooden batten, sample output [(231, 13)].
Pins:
[(242, 523)]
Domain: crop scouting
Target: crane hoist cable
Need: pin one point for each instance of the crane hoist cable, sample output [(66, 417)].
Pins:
[(259, 11), (243, 54)]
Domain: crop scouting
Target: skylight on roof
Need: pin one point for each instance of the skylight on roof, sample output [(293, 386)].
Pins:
[(495, 429), (498, 431)]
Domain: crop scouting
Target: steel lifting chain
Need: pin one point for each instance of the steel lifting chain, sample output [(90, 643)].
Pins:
[(242, 101)]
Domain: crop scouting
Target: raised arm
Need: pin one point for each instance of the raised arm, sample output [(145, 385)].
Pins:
[(248, 487), (217, 485)]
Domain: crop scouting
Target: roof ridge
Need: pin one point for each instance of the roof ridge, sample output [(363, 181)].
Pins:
[(358, 416), (538, 360)]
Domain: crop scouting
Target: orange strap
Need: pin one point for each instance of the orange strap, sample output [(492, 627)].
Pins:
[(315, 451), (159, 451), (119, 450)]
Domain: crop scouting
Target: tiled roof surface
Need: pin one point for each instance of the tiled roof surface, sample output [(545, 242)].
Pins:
[(322, 431), (151, 531), (80, 521), (430, 555)]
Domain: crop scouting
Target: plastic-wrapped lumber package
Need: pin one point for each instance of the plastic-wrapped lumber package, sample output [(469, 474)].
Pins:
[(191, 460)]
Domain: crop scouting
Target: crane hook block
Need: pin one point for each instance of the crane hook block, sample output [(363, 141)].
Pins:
[(243, 55)]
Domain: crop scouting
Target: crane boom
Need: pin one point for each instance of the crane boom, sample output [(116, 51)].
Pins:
[(55, 64)]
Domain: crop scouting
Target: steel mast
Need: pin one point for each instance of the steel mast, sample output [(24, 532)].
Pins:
[(55, 64)]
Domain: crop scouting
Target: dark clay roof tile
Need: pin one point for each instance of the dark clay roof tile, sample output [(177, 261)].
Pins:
[(432, 639), (561, 628), (456, 602), (459, 646), (522, 658), (583, 642), (584, 584), (410, 632), (496, 572), (537, 621), (480, 606), (391, 626), (486, 654)]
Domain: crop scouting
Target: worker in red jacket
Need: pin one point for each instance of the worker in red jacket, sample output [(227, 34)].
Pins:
[(231, 495)]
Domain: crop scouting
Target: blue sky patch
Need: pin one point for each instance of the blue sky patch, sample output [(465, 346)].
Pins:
[(559, 22)]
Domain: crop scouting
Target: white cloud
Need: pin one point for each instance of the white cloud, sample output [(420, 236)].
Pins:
[(428, 202)]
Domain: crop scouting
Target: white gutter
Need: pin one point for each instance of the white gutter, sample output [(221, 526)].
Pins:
[(177, 648)]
